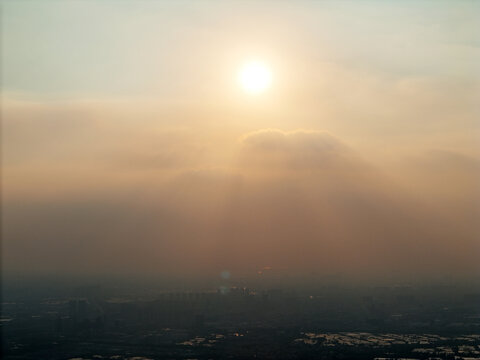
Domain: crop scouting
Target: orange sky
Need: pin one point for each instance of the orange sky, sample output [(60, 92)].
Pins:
[(130, 146)]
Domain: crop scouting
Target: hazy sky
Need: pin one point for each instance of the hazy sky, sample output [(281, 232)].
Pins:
[(129, 145)]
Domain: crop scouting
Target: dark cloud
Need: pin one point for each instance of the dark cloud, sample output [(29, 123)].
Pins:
[(301, 201)]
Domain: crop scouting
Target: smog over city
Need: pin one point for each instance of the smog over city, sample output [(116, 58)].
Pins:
[(240, 179)]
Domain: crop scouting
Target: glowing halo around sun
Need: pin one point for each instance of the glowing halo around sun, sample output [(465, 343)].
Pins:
[(255, 77)]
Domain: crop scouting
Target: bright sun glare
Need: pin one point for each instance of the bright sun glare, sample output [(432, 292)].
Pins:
[(255, 77)]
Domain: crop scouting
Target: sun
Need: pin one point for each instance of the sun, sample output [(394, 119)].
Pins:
[(255, 77)]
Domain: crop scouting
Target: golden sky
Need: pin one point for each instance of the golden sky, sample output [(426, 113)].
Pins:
[(130, 144)]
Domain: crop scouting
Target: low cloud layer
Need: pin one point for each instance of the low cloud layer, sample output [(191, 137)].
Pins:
[(97, 198)]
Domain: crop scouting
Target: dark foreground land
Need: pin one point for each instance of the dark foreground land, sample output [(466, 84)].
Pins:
[(321, 322)]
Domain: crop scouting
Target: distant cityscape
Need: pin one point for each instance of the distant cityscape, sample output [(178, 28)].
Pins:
[(239, 180), (323, 322)]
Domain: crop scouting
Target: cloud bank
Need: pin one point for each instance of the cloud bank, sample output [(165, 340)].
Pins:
[(87, 195)]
